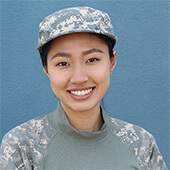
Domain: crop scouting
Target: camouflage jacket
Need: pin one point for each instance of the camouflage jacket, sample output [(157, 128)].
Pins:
[(25, 147)]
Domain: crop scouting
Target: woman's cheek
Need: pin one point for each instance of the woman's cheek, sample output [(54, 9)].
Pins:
[(60, 80), (101, 74)]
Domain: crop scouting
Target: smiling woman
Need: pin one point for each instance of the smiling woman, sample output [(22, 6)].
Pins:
[(86, 65), (76, 48)]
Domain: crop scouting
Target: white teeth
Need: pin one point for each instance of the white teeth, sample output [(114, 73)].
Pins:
[(82, 92)]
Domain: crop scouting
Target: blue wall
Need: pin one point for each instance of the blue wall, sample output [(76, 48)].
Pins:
[(139, 90)]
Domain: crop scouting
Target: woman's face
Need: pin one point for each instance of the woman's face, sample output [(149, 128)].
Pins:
[(79, 69)]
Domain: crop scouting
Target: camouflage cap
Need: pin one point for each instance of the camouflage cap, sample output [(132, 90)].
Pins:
[(72, 20)]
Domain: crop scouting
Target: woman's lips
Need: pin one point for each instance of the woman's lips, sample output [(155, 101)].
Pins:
[(81, 94)]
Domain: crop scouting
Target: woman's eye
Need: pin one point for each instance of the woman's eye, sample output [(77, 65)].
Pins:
[(62, 64), (91, 60)]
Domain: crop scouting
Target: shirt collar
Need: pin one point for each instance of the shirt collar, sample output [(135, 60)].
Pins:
[(59, 121)]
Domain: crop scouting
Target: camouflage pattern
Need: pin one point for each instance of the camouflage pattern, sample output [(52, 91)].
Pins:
[(24, 146), (141, 143), (71, 20)]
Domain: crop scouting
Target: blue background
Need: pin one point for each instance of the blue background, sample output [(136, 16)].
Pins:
[(139, 89)]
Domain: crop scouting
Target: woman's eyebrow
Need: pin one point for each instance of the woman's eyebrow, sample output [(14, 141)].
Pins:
[(93, 50), (60, 54)]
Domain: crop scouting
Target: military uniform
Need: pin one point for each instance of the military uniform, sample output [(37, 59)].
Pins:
[(50, 142)]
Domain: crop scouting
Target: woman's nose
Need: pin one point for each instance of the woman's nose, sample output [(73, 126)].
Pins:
[(79, 75)]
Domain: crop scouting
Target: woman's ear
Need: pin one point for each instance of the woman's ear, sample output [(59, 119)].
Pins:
[(113, 61), (45, 69)]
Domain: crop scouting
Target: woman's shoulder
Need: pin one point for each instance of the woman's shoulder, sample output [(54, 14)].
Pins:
[(31, 129), (133, 136), (128, 130), (140, 142), (30, 140)]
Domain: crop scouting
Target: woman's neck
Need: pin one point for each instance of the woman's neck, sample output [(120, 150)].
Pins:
[(90, 121)]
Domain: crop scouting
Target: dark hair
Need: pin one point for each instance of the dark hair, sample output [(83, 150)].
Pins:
[(107, 40), (44, 53), (110, 43)]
